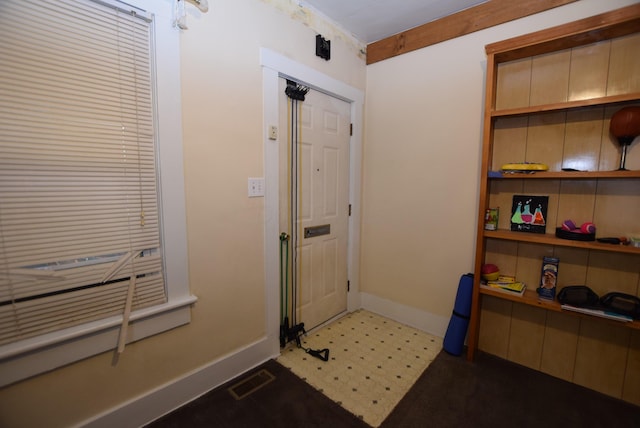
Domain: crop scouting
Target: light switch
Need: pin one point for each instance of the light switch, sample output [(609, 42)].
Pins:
[(256, 187)]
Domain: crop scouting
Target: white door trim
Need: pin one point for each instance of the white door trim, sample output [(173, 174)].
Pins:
[(274, 66)]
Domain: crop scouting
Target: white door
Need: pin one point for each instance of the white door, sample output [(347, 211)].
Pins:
[(319, 192)]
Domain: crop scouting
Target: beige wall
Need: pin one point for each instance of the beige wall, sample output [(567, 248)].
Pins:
[(223, 146), (223, 137), (421, 160)]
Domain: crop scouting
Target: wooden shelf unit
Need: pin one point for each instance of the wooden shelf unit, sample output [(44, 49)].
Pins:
[(549, 99)]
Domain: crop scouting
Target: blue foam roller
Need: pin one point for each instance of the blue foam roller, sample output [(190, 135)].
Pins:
[(457, 330)]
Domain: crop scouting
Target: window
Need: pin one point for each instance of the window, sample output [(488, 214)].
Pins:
[(82, 230)]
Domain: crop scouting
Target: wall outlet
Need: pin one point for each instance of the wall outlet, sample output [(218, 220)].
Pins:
[(256, 187), (273, 132)]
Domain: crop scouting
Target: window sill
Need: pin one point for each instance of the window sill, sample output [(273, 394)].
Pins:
[(31, 357)]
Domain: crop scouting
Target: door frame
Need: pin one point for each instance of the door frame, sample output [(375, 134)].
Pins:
[(274, 67)]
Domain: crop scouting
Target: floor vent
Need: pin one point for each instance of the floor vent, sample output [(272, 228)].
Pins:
[(251, 384)]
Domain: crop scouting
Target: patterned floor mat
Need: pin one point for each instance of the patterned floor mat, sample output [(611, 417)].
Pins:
[(373, 361)]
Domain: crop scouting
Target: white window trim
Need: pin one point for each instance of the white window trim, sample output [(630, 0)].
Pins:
[(37, 355)]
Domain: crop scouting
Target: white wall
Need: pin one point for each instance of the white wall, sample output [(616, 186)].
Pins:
[(421, 161)]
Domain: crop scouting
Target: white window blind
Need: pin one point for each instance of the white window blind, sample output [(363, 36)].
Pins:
[(79, 216)]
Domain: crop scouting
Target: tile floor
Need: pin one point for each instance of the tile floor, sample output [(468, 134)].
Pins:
[(373, 361)]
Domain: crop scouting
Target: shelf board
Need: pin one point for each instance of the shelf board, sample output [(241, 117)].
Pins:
[(531, 298), (612, 99), (609, 25), (568, 175), (548, 239)]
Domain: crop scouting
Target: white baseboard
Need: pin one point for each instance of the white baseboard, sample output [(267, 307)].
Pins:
[(422, 320), (166, 398)]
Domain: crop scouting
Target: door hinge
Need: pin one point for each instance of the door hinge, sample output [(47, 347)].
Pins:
[(349, 210), (348, 286), (351, 129)]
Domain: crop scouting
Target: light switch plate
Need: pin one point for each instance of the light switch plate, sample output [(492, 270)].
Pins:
[(256, 187)]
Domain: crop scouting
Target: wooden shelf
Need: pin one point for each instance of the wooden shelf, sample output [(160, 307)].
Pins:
[(548, 239), (525, 117), (616, 23), (567, 105), (569, 175), (531, 298)]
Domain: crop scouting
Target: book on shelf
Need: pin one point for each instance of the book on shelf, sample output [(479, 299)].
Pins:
[(598, 313), (508, 287)]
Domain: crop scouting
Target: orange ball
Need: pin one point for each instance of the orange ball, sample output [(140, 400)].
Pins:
[(626, 122)]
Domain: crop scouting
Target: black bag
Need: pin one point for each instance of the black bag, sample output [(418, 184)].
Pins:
[(621, 303), (578, 295)]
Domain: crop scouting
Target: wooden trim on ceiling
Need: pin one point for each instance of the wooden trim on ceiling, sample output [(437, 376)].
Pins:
[(485, 15)]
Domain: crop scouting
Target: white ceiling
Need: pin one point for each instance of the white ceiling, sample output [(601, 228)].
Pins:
[(372, 20)]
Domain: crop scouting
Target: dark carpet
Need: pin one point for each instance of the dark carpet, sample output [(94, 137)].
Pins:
[(452, 392), (492, 392), (287, 401)]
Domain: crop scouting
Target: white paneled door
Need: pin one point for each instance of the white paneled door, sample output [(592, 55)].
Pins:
[(314, 201)]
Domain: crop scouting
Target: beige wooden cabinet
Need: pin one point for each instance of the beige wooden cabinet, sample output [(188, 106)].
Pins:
[(549, 99)]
